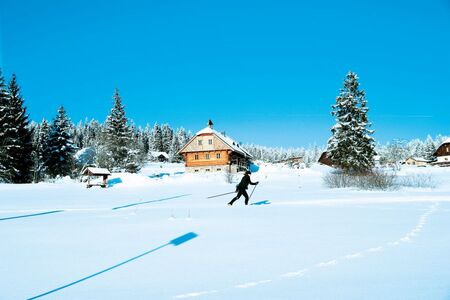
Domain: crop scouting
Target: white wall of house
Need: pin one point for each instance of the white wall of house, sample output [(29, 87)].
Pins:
[(443, 159), (209, 169)]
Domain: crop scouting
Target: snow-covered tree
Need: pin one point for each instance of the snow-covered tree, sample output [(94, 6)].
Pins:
[(117, 136), (92, 133), (174, 148), (40, 140), (182, 136), (157, 139), (167, 137), (4, 105), (18, 138), (429, 149), (351, 146), (60, 147)]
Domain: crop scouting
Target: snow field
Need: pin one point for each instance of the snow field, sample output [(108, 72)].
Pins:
[(303, 241)]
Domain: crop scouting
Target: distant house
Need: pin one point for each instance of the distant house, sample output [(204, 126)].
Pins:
[(159, 156), (443, 154), (295, 161), (324, 160), (211, 151), (416, 161)]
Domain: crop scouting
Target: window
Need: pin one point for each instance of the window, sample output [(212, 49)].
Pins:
[(218, 155), (196, 156), (207, 156), (219, 169), (196, 170), (199, 142), (210, 141), (207, 170)]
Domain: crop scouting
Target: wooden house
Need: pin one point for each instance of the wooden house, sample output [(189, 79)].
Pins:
[(416, 161), (212, 151), (96, 172), (443, 154), (324, 160)]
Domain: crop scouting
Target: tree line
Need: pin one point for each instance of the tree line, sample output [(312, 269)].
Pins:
[(32, 152)]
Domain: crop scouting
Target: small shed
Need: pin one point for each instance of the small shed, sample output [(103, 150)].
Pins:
[(96, 172), (159, 156)]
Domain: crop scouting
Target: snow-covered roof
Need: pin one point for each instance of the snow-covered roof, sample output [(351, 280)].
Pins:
[(447, 141), (157, 154), (418, 159), (97, 171), (227, 140)]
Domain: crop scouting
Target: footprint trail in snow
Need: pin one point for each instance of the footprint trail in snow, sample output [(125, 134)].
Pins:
[(407, 238)]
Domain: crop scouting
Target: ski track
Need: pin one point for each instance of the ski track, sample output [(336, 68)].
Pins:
[(38, 212), (32, 215), (407, 238)]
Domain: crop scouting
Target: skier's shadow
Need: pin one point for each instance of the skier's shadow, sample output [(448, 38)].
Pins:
[(264, 202)]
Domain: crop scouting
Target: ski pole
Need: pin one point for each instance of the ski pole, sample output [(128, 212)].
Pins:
[(220, 195), (252, 193)]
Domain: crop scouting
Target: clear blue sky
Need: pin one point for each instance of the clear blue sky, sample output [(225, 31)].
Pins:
[(266, 72)]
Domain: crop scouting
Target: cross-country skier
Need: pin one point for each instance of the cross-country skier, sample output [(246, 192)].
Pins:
[(242, 187)]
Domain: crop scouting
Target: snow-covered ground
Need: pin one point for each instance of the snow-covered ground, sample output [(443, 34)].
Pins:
[(300, 240)]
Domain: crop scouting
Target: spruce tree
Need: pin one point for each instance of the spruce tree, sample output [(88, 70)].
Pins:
[(430, 149), (157, 139), (174, 148), (39, 148), (182, 137), (167, 136), (117, 135), (4, 104), (351, 147), (59, 148), (18, 137)]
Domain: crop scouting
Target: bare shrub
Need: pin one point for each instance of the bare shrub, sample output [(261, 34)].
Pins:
[(338, 180), (375, 180), (229, 177), (417, 181)]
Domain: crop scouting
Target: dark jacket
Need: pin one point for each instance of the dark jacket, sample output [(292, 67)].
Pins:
[(245, 181)]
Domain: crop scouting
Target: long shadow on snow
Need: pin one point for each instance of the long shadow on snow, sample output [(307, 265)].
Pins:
[(176, 242), (31, 215), (150, 201)]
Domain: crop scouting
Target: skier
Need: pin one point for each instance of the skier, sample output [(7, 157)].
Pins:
[(242, 187)]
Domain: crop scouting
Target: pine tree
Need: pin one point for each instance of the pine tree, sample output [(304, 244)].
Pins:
[(167, 137), (59, 148), (39, 147), (182, 137), (4, 104), (18, 137), (174, 148), (351, 147), (157, 139), (430, 149), (118, 136)]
